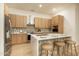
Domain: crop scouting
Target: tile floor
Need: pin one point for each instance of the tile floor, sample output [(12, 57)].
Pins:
[(23, 50)]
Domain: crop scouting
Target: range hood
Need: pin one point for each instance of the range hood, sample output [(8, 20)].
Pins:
[(30, 20)]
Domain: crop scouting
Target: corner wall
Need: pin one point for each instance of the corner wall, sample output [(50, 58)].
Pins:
[(77, 23), (1, 29)]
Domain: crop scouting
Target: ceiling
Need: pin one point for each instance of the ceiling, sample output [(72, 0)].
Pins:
[(46, 7)]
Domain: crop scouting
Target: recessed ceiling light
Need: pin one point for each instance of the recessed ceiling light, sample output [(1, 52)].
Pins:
[(40, 5)]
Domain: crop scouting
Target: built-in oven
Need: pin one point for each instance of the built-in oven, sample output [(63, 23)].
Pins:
[(55, 28)]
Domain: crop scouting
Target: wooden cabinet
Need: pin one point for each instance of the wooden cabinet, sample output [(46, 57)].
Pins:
[(24, 21), (42, 23), (61, 24), (19, 38), (25, 38), (13, 39), (17, 24), (18, 21), (13, 20), (36, 20), (55, 20), (58, 21), (47, 23)]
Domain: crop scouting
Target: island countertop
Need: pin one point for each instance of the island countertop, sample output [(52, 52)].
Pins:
[(38, 39), (49, 36)]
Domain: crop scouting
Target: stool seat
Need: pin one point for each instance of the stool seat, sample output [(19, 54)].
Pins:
[(67, 40), (60, 43), (47, 46), (70, 42)]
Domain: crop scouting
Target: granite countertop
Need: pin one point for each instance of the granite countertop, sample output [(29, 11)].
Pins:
[(49, 36)]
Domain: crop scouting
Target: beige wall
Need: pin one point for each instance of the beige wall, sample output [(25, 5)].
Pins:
[(77, 22), (1, 29)]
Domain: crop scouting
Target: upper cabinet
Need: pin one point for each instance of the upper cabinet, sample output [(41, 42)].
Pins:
[(36, 20), (58, 21), (18, 21), (47, 23), (13, 20), (41, 23)]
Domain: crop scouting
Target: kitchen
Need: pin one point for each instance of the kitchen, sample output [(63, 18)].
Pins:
[(28, 24)]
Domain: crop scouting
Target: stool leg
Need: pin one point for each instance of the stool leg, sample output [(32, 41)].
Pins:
[(67, 49), (58, 53), (63, 51), (41, 52), (75, 50), (52, 53), (71, 50), (53, 50), (46, 52)]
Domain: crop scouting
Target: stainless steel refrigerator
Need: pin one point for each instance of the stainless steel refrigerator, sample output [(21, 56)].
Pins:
[(7, 37)]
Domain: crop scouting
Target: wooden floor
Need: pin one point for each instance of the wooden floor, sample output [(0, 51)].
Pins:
[(21, 50), (24, 50)]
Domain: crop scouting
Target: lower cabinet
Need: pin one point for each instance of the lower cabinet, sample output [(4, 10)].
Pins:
[(19, 38)]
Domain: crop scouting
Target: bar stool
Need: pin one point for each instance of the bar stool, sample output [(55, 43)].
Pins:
[(71, 44), (58, 45), (47, 47), (66, 45)]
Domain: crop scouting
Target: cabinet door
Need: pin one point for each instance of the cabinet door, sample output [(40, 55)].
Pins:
[(21, 21), (24, 21), (49, 23), (52, 22), (46, 24), (56, 20), (17, 21), (40, 23), (24, 38), (13, 20), (14, 39), (19, 38), (61, 24), (36, 22)]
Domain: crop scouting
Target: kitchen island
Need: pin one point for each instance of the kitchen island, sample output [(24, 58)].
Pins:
[(38, 39)]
